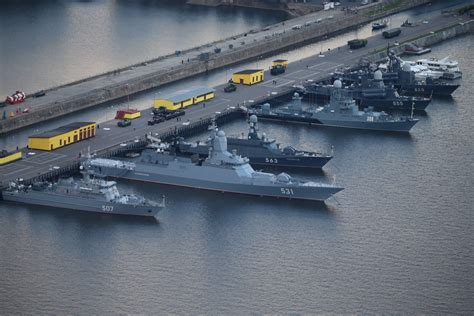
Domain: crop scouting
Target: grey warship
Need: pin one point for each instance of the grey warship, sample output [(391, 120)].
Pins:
[(341, 111), (373, 92), (259, 149), (221, 171), (88, 194), (403, 79)]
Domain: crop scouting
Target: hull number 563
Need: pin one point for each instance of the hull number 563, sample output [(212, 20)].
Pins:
[(271, 160)]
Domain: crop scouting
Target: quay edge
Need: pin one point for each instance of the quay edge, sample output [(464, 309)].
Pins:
[(106, 91)]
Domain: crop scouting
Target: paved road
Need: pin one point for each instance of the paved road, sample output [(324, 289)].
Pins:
[(313, 68)]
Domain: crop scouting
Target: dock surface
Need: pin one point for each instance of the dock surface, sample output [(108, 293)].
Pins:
[(314, 68)]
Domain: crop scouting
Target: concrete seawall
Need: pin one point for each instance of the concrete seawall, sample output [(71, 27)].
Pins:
[(115, 85), (430, 39)]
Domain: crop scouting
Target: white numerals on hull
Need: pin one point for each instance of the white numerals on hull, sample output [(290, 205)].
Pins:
[(271, 160), (287, 191), (107, 208)]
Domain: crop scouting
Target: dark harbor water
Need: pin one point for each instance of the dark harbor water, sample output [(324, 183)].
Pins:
[(398, 239), (47, 43)]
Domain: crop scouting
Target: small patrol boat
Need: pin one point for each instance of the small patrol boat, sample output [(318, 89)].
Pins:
[(259, 149), (221, 171), (88, 194)]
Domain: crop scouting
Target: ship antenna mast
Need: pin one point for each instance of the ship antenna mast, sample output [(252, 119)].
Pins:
[(412, 108)]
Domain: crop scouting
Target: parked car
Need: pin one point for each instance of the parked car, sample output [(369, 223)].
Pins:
[(156, 119), (40, 93), (168, 114), (230, 87), (124, 123)]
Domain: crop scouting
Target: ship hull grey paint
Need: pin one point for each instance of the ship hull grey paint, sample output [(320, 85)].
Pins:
[(77, 203), (258, 156), (402, 103), (179, 176), (401, 126)]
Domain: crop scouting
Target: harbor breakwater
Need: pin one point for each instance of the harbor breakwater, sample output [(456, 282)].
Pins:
[(142, 76)]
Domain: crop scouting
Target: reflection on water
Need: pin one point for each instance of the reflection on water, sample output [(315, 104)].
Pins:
[(47, 43), (397, 239)]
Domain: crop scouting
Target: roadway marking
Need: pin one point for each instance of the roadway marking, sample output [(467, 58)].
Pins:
[(317, 65), (270, 84), (45, 158), (13, 168), (284, 84)]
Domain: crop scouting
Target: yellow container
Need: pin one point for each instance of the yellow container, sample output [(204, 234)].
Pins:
[(248, 77), (62, 136), (133, 115), (280, 62), (9, 157), (185, 98)]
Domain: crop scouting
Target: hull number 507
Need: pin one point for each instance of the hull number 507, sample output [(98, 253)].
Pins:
[(107, 208)]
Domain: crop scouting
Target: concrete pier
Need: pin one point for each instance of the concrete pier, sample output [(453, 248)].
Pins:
[(110, 137), (142, 76)]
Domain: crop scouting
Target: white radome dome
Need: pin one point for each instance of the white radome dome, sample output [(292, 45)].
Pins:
[(338, 84), (378, 75)]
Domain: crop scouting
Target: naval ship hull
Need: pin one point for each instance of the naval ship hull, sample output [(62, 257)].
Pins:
[(264, 157), (182, 176), (427, 90), (401, 104), (77, 203), (398, 126)]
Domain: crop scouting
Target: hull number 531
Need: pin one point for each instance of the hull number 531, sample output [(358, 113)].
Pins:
[(287, 191)]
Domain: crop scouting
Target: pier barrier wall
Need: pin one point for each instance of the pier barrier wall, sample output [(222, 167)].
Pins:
[(431, 39), (241, 52)]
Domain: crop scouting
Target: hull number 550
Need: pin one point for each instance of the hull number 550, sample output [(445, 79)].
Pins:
[(287, 191)]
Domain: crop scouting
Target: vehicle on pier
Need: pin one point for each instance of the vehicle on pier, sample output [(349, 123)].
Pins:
[(357, 43), (167, 114), (124, 123), (230, 87), (379, 25), (156, 119), (259, 149), (221, 171), (391, 33), (88, 194)]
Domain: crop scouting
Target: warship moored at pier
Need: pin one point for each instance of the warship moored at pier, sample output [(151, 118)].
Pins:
[(88, 194), (259, 149), (342, 111), (372, 92), (221, 171), (402, 78)]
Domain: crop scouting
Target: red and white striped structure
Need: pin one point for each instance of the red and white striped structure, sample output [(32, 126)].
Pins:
[(15, 98)]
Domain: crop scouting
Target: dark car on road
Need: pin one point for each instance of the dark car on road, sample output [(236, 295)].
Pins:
[(124, 123), (168, 114), (156, 119), (230, 87)]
